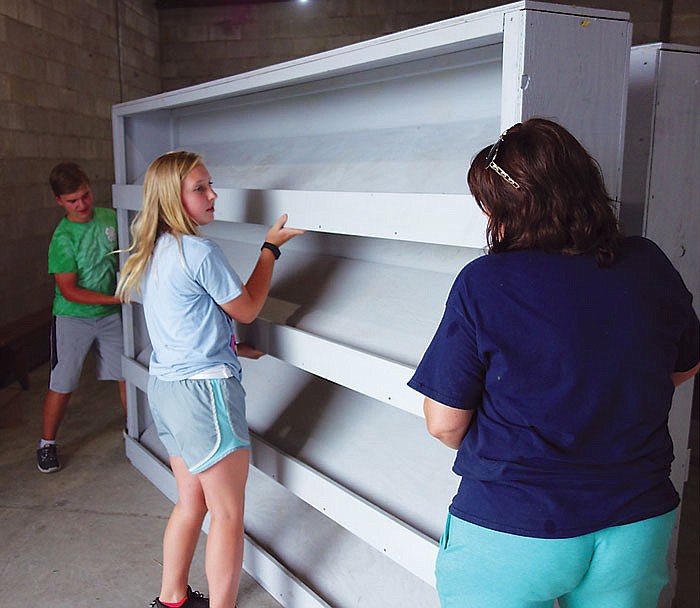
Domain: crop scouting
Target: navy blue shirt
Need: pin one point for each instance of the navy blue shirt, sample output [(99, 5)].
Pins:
[(568, 368)]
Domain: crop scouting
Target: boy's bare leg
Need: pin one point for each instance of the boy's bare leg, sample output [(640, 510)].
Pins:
[(122, 394), (55, 405)]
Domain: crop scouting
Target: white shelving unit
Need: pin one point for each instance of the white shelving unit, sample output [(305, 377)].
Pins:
[(366, 147), (661, 200)]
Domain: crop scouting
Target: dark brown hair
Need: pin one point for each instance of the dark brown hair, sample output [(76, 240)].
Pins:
[(561, 206), (66, 178)]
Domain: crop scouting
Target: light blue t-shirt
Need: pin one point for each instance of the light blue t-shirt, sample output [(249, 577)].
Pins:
[(181, 290)]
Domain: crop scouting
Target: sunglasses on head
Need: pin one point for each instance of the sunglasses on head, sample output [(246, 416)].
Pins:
[(491, 162)]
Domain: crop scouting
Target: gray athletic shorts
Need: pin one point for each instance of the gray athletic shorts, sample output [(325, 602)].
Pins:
[(200, 421), (71, 341)]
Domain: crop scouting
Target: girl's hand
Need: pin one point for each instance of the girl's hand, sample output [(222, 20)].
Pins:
[(278, 234), (246, 307), (248, 351)]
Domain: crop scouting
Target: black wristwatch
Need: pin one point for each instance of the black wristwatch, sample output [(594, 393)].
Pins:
[(272, 247)]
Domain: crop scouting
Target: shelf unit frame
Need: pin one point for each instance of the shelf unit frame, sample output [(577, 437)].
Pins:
[(525, 59), (661, 181)]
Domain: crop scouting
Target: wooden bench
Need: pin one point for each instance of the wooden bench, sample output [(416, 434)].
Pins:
[(24, 343)]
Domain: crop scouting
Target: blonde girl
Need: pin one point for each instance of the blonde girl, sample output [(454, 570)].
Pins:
[(190, 293)]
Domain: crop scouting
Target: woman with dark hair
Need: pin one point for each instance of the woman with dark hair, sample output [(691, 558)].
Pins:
[(551, 374)]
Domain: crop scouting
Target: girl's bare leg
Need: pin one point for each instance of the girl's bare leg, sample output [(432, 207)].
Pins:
[(224, 489), (182, 532)]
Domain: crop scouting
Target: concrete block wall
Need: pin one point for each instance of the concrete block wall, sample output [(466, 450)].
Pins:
[(205, 43), (201, 44), (64, 64), (685, 24)]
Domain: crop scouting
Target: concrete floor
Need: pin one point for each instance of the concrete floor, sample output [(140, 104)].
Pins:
[(91, 534)]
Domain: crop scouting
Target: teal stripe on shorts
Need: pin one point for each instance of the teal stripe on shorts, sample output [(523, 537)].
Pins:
[(201, 421), (618, 567), (228, 441)]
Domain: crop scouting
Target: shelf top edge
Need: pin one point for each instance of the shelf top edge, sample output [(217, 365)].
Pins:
[(471, 30)]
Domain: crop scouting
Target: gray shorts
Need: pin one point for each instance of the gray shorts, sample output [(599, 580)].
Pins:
[(71, 341), (200, 421)]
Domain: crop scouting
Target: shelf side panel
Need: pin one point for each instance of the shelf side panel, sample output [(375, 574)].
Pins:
[(573, 70)]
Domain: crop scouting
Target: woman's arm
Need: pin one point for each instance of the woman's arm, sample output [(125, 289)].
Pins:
[(680, 377), (448, 424), (246, 307), (68, 285)]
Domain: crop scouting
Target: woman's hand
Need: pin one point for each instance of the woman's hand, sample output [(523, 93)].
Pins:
[(279, 234)]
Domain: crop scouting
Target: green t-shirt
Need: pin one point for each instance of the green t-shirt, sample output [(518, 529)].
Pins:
[(85, 250)]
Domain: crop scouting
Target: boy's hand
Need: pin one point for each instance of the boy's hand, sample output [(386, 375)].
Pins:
[(278, 234), (68, 285)]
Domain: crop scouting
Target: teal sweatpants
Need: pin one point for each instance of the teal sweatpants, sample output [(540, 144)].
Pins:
[(618, 567)]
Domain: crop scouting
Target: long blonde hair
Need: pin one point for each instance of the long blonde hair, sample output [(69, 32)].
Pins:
[(161, 211)]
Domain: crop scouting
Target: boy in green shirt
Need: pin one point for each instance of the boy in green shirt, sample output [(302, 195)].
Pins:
[(86, 312)]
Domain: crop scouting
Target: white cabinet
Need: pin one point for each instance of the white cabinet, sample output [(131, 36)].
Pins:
[(661, 195), (366, 147)]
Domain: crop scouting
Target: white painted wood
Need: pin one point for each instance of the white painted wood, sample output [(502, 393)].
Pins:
[(132, 419), (672, 219), (472, 30), (661, 198), (570, 68), (136, 373), (380, 453), (443, 219), (325, 135), (145, 137), (352, 94), (366, 147), (123, 243), (638, 138), (432, 39), (376, 377), (119, 147), (351, 291), (406, 546), (339, 129), (282, 584), (309, 542)]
